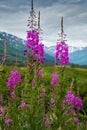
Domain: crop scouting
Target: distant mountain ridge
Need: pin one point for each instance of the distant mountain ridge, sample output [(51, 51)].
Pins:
[(71, 49), (15, 44), (77, 55), (11, 38)]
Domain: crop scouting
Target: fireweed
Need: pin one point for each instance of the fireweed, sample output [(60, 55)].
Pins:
[(8, 121), (39, 112), (32, 39), (13, 80), (74, 101), (40, 74), (23, 105), (34, 46), (54, 80), (61, 54), (40, 106), (35, 57)]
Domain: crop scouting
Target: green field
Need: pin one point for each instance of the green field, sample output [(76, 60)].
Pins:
[(33, 117)]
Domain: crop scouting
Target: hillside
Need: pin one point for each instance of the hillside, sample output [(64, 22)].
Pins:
[(77, 55), (15, 44)]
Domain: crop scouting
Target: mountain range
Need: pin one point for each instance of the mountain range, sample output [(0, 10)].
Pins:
[(77, 55)]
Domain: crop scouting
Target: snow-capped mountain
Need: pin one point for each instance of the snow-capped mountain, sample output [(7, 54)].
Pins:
[(72, 49), (77, 55), (50, 50), (15, 44), (11, 38)]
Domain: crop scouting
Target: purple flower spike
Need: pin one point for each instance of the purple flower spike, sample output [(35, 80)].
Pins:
[(74, 102), (40, 74), (13, 80), (34, 46), (52, 102), (7, 122), (76, 120), (61, 55), (32, 39), (54, 80), (47, 122)]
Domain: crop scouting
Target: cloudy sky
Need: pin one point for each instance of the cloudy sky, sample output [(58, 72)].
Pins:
[(14, 15)]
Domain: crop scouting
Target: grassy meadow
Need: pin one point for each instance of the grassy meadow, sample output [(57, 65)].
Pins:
[(32, 109)]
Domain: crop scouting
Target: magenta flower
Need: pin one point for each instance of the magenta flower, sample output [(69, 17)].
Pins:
[(61, 54), (2, 112), (43, 94), (74, 102), (23, 105), (52, 102), (77, 103), (13, 80), (8, 121), (76, 120), (12, 94), (70, 97), (40, 74), (16, 75), (32, 39), (47, 122), (38, 52), (34, 46), (54, 80), (33, 82)]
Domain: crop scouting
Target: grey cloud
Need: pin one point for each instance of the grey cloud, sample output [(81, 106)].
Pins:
[(12, 6), (75, 19), (14, 15)]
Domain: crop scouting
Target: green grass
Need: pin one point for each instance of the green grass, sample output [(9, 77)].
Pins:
[(67, 76)]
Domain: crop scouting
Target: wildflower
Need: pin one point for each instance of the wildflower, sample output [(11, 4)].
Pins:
[(76, 120), (13, 80), (69, 97), (73, 101), (52, 102), (8, 121), (40, 74), (12, 94), (61, 54), (47, 122), (16, 75), (77, 103), (43, 94), (54, 80), (33, 82), (38, 52), (34, 46), (2, 110), (23, 105), (32, 39)]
